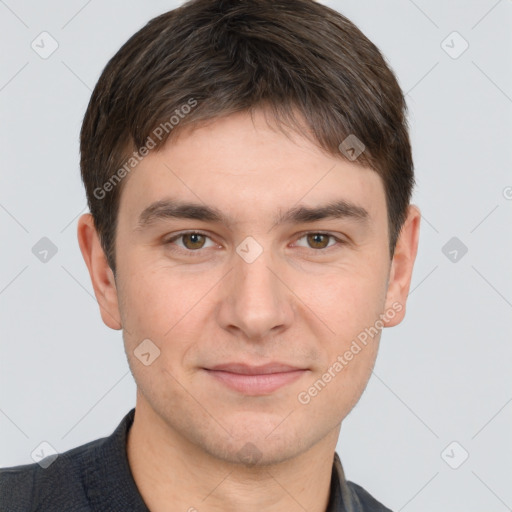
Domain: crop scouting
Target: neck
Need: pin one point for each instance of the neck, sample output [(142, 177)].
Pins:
[(173, 474)]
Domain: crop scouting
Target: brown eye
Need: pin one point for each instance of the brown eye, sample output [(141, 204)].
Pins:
[(318, 240), (189, 243), (193, 240)]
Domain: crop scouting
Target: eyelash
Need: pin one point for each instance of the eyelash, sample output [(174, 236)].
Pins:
[(197, 252)]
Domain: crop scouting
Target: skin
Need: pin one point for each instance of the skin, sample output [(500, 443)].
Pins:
[(301, 302)]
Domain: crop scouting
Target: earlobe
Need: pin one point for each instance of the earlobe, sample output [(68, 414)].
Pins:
[(101, 274), (402, 266)]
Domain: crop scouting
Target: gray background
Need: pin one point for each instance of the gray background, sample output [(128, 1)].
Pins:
[(443, 375)]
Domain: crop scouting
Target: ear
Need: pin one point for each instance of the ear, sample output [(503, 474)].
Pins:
[(401, 267), (102, 277)]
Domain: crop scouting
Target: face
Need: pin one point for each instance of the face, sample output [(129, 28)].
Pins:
[(263, 308)]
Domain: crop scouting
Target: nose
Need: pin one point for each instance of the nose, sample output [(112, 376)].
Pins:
[(256, 303)]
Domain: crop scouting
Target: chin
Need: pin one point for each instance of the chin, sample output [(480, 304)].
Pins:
[(259, 443)]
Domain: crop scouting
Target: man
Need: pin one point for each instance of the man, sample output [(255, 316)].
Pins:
[(249, 172)]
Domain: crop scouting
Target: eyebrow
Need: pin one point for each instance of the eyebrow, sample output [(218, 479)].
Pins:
[(175, 209)]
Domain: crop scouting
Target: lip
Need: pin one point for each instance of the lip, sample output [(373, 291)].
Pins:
[(255, 380)]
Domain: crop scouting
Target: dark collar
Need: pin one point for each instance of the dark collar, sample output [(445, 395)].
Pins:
[(109, 481)]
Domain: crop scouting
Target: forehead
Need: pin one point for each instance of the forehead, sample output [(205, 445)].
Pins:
[(247, 168)]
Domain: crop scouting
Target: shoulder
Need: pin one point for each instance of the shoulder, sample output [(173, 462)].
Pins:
[(16, 485), (364, 501), (49, 484)]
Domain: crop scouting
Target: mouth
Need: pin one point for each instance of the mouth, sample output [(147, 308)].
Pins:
[(255, 380)]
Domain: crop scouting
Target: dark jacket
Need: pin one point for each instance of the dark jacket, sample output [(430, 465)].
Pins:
[(96, 477)]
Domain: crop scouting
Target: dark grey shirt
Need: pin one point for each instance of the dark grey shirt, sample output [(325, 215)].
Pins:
[(96, 477)]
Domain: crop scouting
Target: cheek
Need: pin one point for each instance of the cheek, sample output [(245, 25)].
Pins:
[(162, 303), (157, 306), (359, 305), (348, 299), (348, 359), (350, 303), (148, 303)]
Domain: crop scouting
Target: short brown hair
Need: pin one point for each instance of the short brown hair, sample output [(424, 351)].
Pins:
[(210, 58)]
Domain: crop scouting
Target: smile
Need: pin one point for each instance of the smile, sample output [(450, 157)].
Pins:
[(255, 380)]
